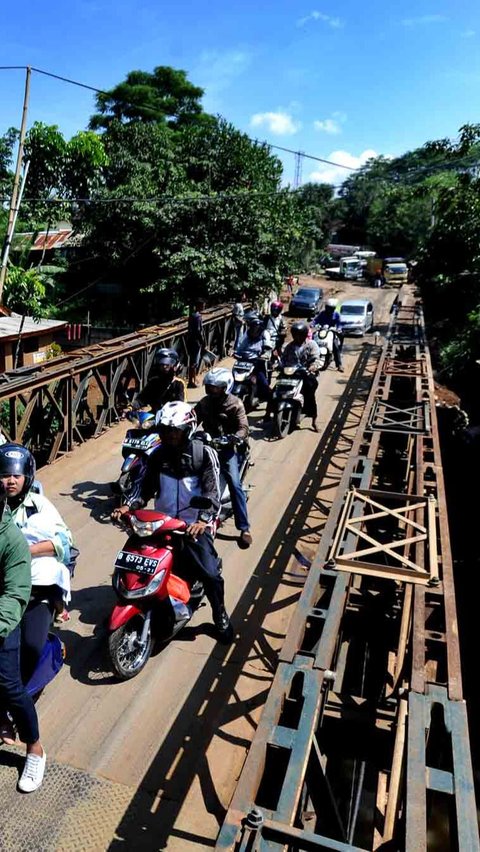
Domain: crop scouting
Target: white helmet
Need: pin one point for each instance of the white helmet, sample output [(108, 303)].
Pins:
[(178, 415), (331, 303), (219, 377)]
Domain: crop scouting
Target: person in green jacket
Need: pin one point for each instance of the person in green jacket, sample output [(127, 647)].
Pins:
[(15, 587)]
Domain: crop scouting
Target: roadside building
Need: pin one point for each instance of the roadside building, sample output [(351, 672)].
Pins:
[(36, 340)]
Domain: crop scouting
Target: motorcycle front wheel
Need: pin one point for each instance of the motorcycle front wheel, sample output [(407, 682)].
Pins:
[(128, 656), (282, 422), (326, 362)]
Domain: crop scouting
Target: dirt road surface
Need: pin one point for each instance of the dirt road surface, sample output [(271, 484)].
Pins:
[(152, 763)]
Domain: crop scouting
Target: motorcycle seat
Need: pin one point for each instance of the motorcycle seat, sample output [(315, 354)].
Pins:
[(170, 524)]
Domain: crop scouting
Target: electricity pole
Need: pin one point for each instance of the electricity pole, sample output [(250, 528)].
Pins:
[(12, 216)]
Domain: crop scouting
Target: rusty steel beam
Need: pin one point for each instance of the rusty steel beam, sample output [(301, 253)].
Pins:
[(353, 772), (65, 401)]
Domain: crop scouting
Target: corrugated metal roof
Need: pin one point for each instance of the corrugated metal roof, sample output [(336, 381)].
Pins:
[(10, 326), (47, 240)]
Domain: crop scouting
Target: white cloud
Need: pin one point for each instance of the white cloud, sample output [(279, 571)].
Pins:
[(215, 72), (421, 20), (334, 23), (469, 33), (333, 125), (335, 174), (328, 125), (280, 123)]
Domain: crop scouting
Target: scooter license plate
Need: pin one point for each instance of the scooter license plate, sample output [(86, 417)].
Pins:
[(137, 443), (135, 562)]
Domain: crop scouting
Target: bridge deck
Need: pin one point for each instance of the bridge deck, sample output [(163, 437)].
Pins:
[(156, 760)]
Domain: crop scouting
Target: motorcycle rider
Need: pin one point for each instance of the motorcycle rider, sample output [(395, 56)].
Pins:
[(15, 586), (49, 541), (221, 413), (304, 352), (163, 386), (276, 326), (172, 478), (331, 317), (256, 345)]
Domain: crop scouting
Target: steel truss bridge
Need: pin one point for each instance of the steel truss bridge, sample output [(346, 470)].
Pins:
[(363, 743), (54, 406)]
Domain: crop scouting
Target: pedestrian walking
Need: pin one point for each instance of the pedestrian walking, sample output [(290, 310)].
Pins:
[(238, 315), (195, 341)]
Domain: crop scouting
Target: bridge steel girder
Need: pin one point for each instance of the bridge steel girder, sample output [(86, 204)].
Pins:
[(53, 406), (368, 679)]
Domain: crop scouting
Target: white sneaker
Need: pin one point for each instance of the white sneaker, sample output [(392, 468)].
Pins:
[(33, 772)]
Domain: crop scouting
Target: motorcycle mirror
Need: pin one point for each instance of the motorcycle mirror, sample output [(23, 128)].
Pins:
[(200, 503)]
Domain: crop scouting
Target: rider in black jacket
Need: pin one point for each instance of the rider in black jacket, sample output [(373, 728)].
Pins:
[(164, 386)]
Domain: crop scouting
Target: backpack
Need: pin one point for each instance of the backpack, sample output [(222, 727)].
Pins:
[(197, 454)]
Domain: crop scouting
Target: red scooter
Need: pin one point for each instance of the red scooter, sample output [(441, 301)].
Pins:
[(154, 602)]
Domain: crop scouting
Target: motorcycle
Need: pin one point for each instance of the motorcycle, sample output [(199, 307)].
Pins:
[(242, 449), (287, 400), (245, 384), (325, 338), (154, 600), (139, 443)]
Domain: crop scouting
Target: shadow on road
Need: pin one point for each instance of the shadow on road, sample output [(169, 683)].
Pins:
[(97, 497), (214, 701)]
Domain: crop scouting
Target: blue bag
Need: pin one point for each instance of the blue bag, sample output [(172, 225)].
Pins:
[(49, 664)]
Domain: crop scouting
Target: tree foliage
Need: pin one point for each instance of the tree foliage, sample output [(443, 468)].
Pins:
[(26, 292), (165, 96), (426, 205), (317, 211), (207, 213)]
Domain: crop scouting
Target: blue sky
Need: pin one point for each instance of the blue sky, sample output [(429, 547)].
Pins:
[(339, 80)]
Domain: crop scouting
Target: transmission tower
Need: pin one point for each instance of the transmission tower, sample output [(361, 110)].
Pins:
[(297, 180)]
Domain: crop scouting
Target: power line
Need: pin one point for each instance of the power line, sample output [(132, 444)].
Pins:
[(449, 162), (146, 108)]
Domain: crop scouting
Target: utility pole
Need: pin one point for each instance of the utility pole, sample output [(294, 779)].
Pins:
[(12, 216), (297, 180)]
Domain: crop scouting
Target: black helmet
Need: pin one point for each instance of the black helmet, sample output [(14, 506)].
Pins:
[(300, 328), (255, 322), (16, 460), (166, 356)]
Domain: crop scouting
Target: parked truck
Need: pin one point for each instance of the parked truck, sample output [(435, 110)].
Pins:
[(349, 268), (392, 270)]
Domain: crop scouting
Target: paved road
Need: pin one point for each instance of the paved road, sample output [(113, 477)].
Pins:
[(153, 762)]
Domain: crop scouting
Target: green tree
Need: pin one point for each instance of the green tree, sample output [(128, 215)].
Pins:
[(165, 96), (26, 292), (207, 214), (316, 209), (7, 143)]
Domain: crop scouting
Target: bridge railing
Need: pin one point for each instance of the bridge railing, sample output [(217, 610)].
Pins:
[(53, 406)]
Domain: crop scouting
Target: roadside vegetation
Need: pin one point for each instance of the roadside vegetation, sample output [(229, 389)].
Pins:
[(172, 202)]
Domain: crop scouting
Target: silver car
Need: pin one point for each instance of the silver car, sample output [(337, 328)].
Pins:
[(356, 316)]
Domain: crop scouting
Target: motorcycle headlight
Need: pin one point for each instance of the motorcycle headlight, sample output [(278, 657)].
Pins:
[(156, 582), (147, 590), (145, 528)]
